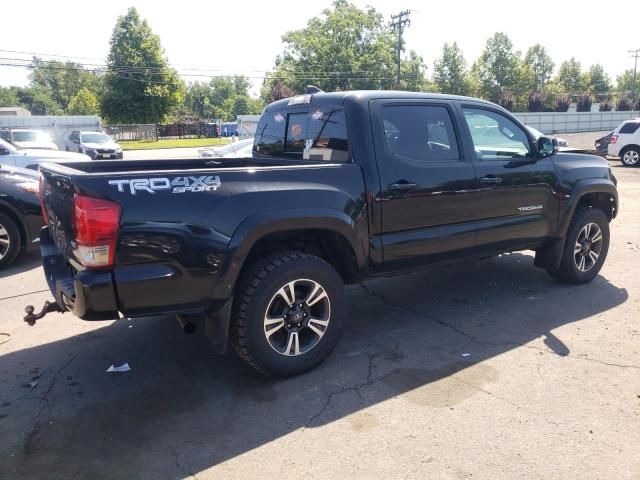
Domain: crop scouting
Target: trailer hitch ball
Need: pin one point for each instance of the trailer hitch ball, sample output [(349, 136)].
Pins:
[(32, 317)]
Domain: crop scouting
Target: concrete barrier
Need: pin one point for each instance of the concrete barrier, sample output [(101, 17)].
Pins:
[(573, 122), (58, 126)]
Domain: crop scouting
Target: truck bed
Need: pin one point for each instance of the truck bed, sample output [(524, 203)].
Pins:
[(170, 165)]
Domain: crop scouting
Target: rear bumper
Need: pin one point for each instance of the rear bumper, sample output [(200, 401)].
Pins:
[(89, 295), (144, 290)]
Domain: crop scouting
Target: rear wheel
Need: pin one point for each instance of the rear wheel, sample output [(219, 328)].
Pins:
[(9, 240), (287, 314), (585, 248), (630, 157)]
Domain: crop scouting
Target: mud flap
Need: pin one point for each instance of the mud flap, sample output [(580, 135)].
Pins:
[(549, 256), (216, 327)]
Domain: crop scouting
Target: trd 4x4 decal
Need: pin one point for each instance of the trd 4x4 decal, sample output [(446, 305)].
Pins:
[(176, 184)]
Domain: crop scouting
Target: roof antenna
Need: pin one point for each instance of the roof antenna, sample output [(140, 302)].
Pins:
[(313, 89)]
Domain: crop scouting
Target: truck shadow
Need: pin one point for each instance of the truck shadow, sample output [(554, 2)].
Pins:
[(183, 409), (22, 264)]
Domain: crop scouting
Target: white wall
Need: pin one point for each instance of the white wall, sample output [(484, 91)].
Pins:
[(571, 122), (58, 126)]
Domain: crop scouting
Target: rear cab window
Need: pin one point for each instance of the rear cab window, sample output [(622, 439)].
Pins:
[(420, 133), (314, 133)]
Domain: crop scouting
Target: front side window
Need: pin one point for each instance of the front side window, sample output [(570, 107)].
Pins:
[(314, 134), (420, 133), (495, 137)]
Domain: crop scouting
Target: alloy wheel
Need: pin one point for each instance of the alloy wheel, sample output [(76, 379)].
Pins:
[(5, 241), (297, 317), (588, 246), (631, 157)]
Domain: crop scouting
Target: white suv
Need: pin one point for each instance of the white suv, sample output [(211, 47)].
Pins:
[(625, 143)]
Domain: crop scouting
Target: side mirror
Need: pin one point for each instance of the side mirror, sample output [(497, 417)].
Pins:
[(547, 146), (4, 151)]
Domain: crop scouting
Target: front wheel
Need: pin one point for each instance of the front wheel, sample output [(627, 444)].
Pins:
[(630, 157), (287, 313), (585, 248)]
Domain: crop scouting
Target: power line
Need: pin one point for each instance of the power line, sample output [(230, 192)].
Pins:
[(160, 72), (398, 22), (634, 54), (129, 74), (185, 67)]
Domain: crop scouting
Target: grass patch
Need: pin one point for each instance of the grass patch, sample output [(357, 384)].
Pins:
[(172, 143)]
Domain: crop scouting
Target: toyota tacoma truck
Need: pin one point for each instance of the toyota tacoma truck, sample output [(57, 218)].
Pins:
[(340, 187)]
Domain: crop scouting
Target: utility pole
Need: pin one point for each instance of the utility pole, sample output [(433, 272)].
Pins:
[(635, 54), (398, 22)]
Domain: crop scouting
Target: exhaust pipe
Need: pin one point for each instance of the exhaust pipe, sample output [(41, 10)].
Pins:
[(186, 325)]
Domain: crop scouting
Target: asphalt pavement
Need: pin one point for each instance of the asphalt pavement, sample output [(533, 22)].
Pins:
[(483, 370)]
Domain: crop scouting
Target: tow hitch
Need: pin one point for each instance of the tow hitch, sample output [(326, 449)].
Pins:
[(48, 307)]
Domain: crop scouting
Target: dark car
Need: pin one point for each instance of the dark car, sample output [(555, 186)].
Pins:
[(20, 213), (339, 187), (602, 143)]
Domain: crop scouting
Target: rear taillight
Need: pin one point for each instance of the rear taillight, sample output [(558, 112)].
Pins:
[(41, 199), (614, 138), (96, 230)]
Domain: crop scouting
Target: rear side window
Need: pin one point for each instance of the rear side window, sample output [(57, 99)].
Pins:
[(420, 133), (630, 127), (314, 134)]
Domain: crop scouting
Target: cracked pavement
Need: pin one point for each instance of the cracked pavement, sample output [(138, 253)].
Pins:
[(483, 370)]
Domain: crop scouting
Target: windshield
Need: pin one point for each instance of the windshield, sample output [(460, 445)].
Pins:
[(31, 136), (95, 138)]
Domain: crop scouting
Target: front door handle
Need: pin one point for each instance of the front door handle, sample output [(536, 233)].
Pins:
[(403, 186), (490, 180)]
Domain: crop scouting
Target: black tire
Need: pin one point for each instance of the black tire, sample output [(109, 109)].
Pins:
[(256, 293), (8, 233), (630, 157), (568, 271)]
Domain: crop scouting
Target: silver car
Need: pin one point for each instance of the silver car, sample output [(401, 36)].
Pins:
[(28, 158), (98, 145)]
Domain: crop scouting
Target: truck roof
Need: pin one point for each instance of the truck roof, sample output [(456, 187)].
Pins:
[(365, 96)]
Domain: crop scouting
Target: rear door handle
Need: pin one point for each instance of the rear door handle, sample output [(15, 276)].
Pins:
[(490, 180), (403, 186)]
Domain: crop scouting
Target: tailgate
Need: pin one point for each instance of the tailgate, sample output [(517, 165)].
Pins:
[(57, 193)]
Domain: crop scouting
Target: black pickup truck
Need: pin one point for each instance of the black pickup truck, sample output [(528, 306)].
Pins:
[(340, 187)]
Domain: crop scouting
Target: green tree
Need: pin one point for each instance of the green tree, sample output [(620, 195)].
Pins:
[(140, 87), (83, 103), (8, 97), (274, 90), (498, 68), (624, 83), (344, 48), (570, 76), (63, 79), (222, 98), (38, 101), (596, 79), (197, 100), (449, 71), (540, 65)]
